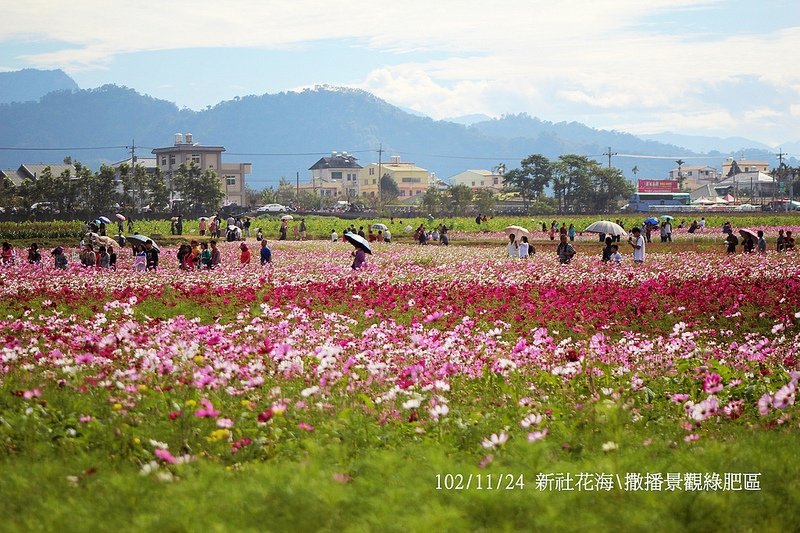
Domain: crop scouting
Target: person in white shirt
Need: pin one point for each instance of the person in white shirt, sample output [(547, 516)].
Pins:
[(702, 224), (637, 241), (387, 236), (512, 248), (524, 248), (334, 236)]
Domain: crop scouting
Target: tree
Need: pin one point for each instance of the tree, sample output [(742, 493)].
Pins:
[(286, 193), (681, 178), (530, 180), (200, 190), (389, 189), (8, 192), (484, 200), (432, 201), (459, 198), (159, 192), (99, 189), (251, 196)]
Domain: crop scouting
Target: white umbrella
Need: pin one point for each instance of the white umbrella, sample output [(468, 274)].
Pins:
[(120, 217), (104, 219), (607, 227), (381, 227), (666, 217), (519, 231), (287, 217), (358, 241)]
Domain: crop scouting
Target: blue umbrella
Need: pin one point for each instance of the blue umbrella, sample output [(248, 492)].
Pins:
[(651, 220)]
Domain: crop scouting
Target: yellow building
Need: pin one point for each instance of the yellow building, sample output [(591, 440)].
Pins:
[(412, 181)]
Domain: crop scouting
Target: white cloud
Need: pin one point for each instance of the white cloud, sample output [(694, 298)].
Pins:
[(564, 60)]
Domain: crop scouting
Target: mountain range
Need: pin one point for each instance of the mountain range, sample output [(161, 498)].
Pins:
[(284, 134)]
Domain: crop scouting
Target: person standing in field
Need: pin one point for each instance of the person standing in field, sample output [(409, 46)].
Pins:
[(571, 232), (606, 254), (524, 248), (216, 257), (637, 241), (266, 253), (565, 250), (59, 258), (34, 256), (512, 248), (302, 229), (245, 257), (359, 258), (762, 243)]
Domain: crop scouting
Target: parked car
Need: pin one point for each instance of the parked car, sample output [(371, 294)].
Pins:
[(272, 208)]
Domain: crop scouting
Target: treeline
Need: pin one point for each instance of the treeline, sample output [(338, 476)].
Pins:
[(122, 188)]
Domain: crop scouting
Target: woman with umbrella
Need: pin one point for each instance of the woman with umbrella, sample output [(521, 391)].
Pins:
[(362, 248)]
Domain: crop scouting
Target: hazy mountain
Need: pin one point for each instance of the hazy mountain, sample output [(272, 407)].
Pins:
[(699, 143), (29, 85), (468, 120), (284, 134)]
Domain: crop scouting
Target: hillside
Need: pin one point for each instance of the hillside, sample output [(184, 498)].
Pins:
[(284, 134), (29, 85)]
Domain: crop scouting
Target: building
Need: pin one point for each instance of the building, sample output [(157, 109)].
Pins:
[(231, 175), (479, 179), (753, 185), (412, 181), (696, 174), (336, 175), (744, 165)]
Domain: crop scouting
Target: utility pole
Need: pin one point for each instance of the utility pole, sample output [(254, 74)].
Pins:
[(297, 181), (133, 169), (779, 174), (609, 154), (380, 175)]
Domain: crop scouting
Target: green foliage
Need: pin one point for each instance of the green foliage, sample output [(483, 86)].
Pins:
[(200, 190), (389, 189), (458, 199)]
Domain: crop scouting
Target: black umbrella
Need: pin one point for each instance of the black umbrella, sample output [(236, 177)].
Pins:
[(358, 241)]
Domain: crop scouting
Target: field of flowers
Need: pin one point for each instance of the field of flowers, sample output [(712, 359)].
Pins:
[(436, 388)]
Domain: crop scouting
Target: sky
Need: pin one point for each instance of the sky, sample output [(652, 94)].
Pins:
[(701, 67)]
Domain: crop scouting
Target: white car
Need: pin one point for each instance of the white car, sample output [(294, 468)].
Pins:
[(272, 208)]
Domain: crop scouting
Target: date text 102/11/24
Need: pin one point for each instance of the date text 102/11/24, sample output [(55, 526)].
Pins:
[(480, 481)]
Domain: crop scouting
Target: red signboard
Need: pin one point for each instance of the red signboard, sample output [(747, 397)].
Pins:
[(658, 185)]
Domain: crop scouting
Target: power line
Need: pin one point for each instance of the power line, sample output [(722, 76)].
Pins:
[(71, 148)]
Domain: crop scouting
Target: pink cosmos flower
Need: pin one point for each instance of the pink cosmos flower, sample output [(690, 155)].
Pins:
[(305, 426), (784, 397), (764, 403), (537, 435), (712, 383), (265, 416), (495, 440), (207, 411), (164, 455), (225, 423)]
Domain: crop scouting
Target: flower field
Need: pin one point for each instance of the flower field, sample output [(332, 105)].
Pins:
[(178, 400)]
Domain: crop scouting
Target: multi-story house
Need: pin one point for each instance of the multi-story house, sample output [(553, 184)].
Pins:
[(231, 175), (412, 181)]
